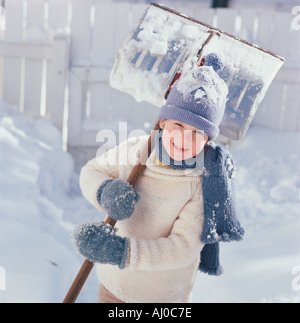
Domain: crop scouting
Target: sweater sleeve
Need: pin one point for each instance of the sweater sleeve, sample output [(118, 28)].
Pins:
[(178, 250), (92, 175)]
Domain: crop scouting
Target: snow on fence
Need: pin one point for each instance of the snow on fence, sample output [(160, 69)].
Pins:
[(34, 61), (56, 56)]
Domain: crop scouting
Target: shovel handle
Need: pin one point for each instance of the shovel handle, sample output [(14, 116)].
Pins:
[(133, 178), (78, 282)]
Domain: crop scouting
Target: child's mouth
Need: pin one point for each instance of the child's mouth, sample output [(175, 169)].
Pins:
[(181, 150)]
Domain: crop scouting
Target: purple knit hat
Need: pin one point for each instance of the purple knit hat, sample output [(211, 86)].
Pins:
[(199, 97)]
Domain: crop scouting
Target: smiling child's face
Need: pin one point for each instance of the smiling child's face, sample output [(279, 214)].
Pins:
[(181, 140)]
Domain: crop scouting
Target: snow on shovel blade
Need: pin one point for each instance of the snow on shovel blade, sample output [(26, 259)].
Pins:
[(166, 43)]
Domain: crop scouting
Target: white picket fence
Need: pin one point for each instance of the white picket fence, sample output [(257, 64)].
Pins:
[(56, 56)]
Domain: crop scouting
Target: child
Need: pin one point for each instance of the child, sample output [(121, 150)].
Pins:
[(178, 209)]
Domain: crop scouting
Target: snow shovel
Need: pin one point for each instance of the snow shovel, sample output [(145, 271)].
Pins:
[(164, 45)]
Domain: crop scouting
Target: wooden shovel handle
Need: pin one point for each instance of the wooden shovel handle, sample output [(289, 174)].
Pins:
[(133, 178)]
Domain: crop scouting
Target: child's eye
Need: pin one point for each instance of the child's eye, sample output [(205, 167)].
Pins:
[(179, 124)]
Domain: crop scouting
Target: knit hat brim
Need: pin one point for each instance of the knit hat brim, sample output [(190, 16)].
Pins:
[(170, 111)]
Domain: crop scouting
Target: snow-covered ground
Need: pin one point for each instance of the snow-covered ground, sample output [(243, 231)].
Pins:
[(41, 203)]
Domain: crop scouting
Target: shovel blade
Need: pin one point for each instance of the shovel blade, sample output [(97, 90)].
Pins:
[(166, 43)]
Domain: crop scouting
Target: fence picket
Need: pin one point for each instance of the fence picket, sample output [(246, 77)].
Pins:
[(33, 87), (35, 16), (291, 115), (14, 20), (281, 30), (226, 20), (58, 65), (57, 73), (34, 67), (204, 15), (122, 24), (264, 29), (12, 77), (103, 49), (248, 25), (137, 11), (294, 49), (58, 15), (80, 32)]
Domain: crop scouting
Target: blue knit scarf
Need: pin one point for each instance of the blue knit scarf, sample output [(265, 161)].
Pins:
[(220, 221)]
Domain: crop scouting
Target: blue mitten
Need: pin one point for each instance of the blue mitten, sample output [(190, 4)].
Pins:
[(99, 243), (118, 198)]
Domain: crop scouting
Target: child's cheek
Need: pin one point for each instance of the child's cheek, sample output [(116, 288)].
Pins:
[(172, 135)]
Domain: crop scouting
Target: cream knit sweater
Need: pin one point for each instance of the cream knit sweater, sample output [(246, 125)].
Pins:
[(164, 230)]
